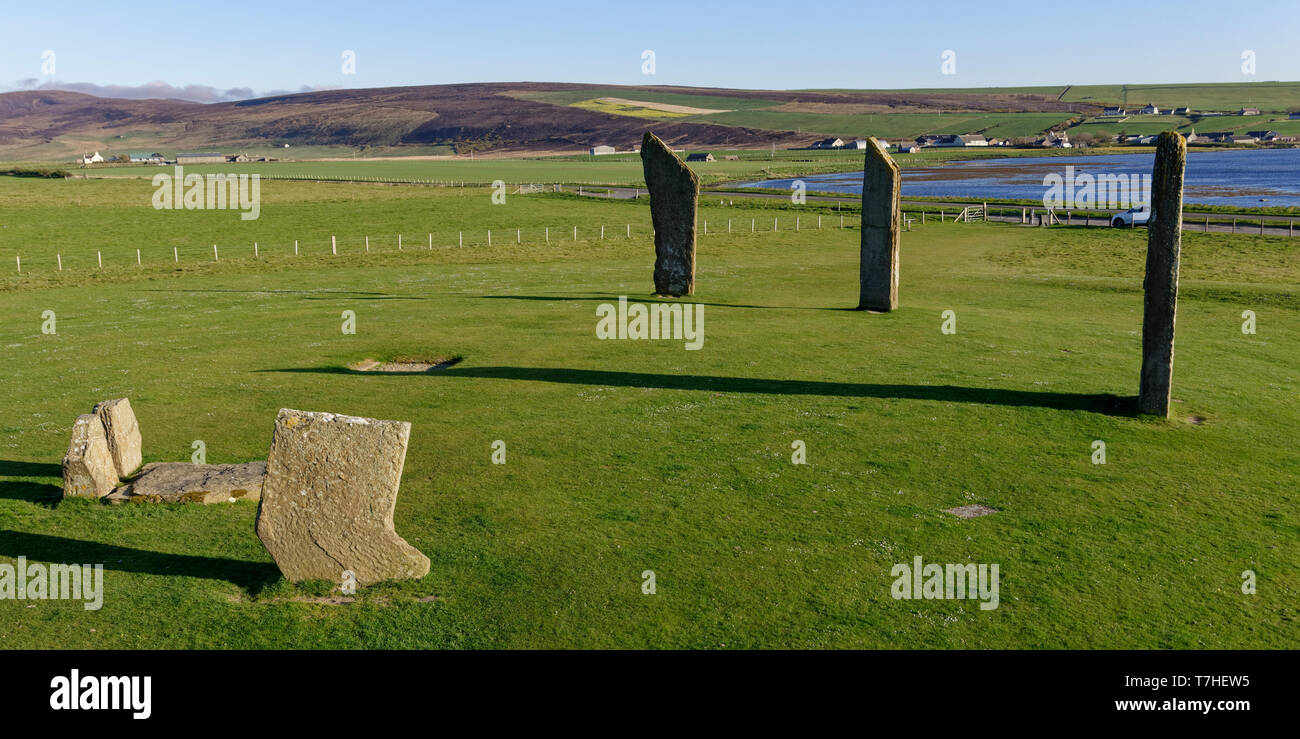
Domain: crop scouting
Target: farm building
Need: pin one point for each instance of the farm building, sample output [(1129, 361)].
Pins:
[(201, 158), (829, 144), (140, 156), (1294, 116), (700, 156), (908, 148), (602, 149), (1248, 111), (1182, 111), (1114, 110), (91, 158), (1150, 109), (1263, 135), (858, 144), (1237, 139)]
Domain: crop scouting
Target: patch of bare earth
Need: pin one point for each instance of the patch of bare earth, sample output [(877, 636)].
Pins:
[(404, 365)]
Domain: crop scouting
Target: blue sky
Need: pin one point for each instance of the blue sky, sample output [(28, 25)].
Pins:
[(268, 46)]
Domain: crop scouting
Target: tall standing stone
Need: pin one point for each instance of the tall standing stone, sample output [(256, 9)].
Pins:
[(878, 268), (674, 193), (328, 498), (88, 469), (123, 433), (1160, 304)]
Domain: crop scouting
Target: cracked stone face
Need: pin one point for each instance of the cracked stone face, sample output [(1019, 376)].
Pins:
[(123, 433), (328, 498), (184, 482), (88, 468)]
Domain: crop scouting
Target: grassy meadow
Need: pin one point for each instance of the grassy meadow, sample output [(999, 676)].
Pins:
[(627, 456)]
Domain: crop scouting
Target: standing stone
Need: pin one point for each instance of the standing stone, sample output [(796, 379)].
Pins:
[(328, 499), (674, 192), (1160, 304), (878, 268), (123, 434), (88, 468)]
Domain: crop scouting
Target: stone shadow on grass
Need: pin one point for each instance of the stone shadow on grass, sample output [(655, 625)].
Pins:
[(1103, 403), (35, 492), (252, 577)]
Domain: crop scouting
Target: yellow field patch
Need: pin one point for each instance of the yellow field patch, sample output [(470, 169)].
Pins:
[(641, 108)]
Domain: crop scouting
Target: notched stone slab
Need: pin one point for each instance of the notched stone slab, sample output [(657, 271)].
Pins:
[(183, 482), (328, 499)]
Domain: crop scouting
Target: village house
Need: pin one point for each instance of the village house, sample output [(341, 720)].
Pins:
[(596, 151), (1248, 111), (143, 157), (1055, 141), (1114, 110), (91, 158), (1263, 136), (700, 156), (1150, 109), (829, 144), (1182, 111), (1244, 140), (908, 149)]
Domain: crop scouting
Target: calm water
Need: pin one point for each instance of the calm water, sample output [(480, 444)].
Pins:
[(1240, 177)]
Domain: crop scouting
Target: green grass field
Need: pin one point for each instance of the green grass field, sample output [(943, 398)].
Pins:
[(626, 456)]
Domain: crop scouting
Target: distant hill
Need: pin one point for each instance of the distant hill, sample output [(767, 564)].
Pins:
[(536, 117)]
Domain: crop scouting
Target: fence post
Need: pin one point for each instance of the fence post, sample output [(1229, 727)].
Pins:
[(367, 243), (460, 239), (334, 247), (548, 234), (430, 242), (399, 242), (602, 233), (629, 230), (60, 258), (295, 247), (941, 215), (519, 238), (575, 233), (20, 263), (489, 237), (751, 225), (774, 224), (1207, 224), (1234, 224), (796, 223), (215, 257), (1261, 225), (728, 225), (137, 255)]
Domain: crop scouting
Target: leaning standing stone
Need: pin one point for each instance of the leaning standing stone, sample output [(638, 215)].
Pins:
[(1160, 304), (123, 434), (328, 499), (878, 268), (88, 469), (674, 192)]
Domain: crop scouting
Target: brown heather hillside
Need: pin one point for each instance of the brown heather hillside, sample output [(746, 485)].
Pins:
[(469, 117)]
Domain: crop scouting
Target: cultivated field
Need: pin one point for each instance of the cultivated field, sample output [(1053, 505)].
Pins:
[(626, 456)]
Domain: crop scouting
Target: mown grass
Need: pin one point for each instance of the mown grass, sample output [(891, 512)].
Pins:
[(626, 456)]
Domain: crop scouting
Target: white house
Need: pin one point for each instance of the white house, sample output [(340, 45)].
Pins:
[(602, 149), (91, 159), (829, 144), (1150, 109), (1114, 110)]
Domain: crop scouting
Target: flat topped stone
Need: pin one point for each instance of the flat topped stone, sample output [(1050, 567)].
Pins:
[(88, 469), (183, 482), (328, 499), (674, 194), (123, 432)]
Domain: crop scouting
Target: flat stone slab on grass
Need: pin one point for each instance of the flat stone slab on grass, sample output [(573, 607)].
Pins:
[(970, 511), (123, 432), (88, 469), (183, 482), (327, 503)]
